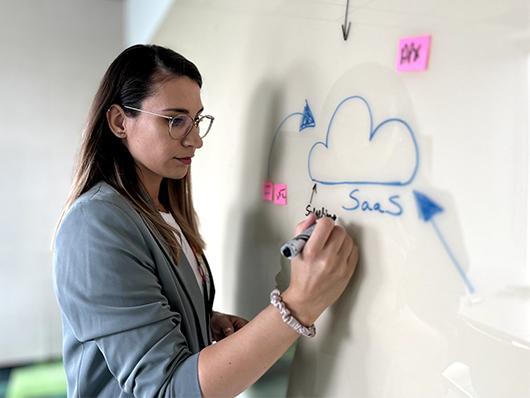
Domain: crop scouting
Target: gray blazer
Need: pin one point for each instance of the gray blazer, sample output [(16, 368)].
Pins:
[(133, 321)]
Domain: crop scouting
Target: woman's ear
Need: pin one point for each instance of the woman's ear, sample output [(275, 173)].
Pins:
[(116, 121)]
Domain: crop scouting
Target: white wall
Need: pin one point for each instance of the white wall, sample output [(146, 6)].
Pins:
[(53, 54), (528, 192), (405, 327), (142, 19)]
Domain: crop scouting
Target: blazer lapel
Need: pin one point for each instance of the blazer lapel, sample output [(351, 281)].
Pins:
[(212, 286), (188, 281), (186, 275)]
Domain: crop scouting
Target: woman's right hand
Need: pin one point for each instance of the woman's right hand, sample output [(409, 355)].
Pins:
[(319, 275), (321, 272)]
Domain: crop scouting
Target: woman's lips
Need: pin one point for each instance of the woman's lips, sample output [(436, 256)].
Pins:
[(186, 161)]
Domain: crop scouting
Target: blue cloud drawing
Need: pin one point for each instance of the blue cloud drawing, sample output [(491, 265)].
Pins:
[(372, 133)]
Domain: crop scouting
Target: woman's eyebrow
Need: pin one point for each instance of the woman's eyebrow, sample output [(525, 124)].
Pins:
[(181, 110)]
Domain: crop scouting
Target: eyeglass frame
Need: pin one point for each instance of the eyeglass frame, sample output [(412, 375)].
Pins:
[(195, 121)]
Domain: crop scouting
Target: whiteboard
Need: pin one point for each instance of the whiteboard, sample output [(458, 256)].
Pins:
[(427, 170)]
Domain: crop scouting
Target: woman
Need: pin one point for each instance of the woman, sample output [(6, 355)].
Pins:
[(130, 275)]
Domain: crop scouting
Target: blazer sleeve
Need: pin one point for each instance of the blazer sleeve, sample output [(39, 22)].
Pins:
[(109, 293)]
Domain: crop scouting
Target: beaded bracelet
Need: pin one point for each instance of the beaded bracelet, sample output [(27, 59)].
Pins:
[(276, 301)]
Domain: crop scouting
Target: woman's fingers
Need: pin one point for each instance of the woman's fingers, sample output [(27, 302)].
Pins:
[(226, 326), (353, 258), (346, 249), (238, 322), (336, 239), (222, 325), (320, 236), (310, 220)]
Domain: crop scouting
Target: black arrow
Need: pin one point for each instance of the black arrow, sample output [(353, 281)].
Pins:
[(346, 25), (313, 191)]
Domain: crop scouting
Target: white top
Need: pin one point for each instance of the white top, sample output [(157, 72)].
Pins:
[(188, 252)]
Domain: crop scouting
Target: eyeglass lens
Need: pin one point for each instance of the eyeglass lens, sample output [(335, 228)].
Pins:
[(181, 125)]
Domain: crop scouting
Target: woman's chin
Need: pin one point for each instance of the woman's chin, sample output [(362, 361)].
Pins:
[(178, 174)]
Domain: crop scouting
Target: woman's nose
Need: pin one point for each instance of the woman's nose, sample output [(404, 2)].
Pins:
[(193, 138)]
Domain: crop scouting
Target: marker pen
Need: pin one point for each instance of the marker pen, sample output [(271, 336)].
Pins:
[(295, 245)]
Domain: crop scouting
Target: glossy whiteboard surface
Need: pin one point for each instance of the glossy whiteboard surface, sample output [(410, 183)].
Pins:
[(428, 171)]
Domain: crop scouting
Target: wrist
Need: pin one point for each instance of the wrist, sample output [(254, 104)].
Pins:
[(289, 318), (299, 308)]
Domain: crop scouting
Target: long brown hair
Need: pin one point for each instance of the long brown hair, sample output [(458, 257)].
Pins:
[(131, 78)]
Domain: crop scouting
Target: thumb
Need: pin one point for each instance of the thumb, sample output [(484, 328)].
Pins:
[(310, 220)]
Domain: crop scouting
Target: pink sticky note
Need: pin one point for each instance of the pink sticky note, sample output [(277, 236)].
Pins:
[(280, 194), (268, 189), (413, 53)]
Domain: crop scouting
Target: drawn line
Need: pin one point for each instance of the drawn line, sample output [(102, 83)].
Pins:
[(460, 270), (373, 133), (278, 129)]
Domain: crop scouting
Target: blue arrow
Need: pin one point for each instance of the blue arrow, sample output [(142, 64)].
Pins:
[(308, 119), (427, 209)]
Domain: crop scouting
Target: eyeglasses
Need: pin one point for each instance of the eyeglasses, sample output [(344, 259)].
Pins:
[(181, 124)]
